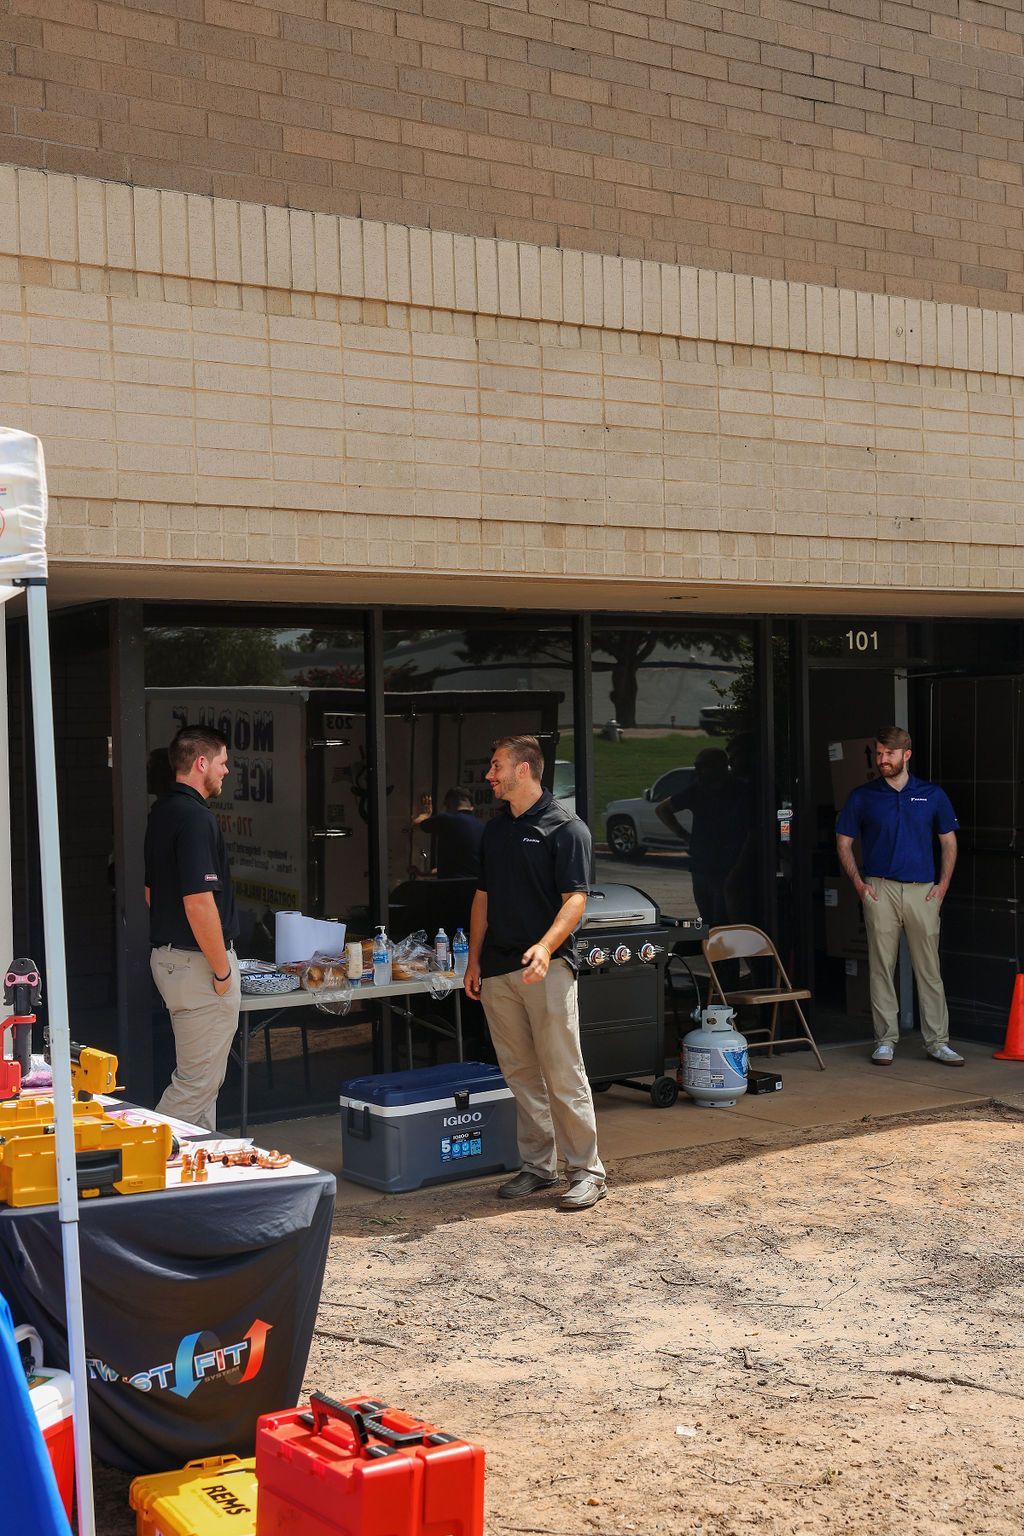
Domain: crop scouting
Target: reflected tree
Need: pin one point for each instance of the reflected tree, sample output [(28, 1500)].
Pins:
[(201, 656)]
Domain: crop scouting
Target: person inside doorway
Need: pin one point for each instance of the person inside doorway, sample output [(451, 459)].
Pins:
[(720, 802), (458, 831), (897, 818)]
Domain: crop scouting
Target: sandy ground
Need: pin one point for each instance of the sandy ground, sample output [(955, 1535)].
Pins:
[(823, 1336)]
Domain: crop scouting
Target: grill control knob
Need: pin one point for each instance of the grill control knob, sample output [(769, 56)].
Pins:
[(622, 954), (647, 952), (597, 956)]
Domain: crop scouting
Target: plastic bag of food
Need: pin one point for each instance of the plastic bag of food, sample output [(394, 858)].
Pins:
[(325, 972), (414, 958)]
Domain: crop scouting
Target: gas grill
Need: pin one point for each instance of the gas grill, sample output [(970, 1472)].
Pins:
[(622, 947)]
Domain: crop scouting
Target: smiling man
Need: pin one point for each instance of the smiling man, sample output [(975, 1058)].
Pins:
[(897, 818), (535, 861), (192, 923)]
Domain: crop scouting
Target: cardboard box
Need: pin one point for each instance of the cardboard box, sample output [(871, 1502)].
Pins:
[(844, 920), (858, 991), (850, 763)]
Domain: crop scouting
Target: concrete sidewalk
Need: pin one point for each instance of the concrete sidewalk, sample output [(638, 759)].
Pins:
[(849, 1090)]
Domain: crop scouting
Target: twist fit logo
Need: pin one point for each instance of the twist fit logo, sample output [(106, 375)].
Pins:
[(199, 1358)]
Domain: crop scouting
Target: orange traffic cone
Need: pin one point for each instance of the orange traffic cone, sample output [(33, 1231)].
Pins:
[(1013, 1045)]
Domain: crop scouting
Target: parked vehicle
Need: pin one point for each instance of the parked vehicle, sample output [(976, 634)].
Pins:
[(632, 828), (563, 785)]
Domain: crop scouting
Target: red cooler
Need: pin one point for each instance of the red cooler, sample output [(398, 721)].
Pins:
[(360, 1468), (52, 1399)]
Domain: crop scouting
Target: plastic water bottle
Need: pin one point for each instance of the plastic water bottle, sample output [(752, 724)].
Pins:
[(460, 950), (381, 958), (441, 951)]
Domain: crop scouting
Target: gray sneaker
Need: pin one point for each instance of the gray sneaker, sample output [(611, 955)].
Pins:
[(882, 1055), (947, 1055), (524, 1183), (583, 1193)]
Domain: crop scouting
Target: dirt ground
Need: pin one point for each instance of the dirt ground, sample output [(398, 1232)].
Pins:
[(818, 1336)]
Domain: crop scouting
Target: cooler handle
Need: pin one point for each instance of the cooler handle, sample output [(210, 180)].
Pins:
[(325, 1408), (26, 1331), (359, 1127)]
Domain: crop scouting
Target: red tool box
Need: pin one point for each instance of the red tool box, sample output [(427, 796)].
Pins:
[(360, 1468)]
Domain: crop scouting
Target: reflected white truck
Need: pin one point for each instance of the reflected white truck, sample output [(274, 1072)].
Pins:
[(632, 827)]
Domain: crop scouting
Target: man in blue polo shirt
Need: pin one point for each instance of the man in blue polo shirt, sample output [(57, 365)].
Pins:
[(897, 818)]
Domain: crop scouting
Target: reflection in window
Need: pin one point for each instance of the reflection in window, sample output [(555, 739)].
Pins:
[(449, 694), (268, 691), (674, 767)]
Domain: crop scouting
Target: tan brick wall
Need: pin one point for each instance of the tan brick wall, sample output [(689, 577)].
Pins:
[(862, 144), (433, 404)]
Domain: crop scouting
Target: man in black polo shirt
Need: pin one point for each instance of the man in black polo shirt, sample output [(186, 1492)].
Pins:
[(192, 923), (535, 861)]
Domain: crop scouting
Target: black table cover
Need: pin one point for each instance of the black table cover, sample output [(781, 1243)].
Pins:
[(200, 1305)]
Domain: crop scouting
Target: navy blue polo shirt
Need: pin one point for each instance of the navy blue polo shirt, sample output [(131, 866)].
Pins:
[(897, 828)]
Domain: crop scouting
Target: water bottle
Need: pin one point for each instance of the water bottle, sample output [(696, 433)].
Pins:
[(460, 950), (441, 951), (381, 958)]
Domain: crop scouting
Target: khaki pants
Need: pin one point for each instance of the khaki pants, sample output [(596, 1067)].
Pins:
[(901, 907), (204, 1026), (536, 1034)]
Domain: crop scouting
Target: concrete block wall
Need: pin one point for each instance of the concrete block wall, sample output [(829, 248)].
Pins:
[(223, 385), (867, 144)]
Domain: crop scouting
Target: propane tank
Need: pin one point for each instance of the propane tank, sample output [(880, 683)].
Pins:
[(715, 1059)]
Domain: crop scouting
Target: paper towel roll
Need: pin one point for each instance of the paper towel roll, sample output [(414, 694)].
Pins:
[(299, 938)]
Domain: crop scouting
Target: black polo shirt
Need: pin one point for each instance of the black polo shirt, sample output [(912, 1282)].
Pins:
[(185, 854), (527, 862)]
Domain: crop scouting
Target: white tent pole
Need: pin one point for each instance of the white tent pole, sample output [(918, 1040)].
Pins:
[(6, 897), (60, 1035)]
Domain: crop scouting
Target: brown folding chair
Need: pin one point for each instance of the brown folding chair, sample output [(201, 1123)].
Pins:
[(740, 941)]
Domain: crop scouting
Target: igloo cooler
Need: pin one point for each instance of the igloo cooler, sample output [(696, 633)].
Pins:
[(402, 1130)]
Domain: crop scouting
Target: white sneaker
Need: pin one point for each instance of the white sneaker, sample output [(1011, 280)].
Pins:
[(947, 1055), (882, 1055)]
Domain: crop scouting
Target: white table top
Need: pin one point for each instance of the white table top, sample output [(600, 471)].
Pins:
[(361, 992)]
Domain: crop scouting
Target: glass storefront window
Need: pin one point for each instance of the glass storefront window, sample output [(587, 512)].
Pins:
[(449, 693), (291, 702), (675, 762)]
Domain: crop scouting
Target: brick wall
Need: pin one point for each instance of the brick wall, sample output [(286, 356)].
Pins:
[(341, 397), (862, 144)]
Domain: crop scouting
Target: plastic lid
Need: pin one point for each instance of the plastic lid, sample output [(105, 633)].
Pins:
[(424, 1083)]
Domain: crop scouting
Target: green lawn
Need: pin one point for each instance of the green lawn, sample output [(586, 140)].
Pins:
[(624, 769)]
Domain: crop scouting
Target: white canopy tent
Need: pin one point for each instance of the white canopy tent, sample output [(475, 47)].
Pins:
[(23, 508)]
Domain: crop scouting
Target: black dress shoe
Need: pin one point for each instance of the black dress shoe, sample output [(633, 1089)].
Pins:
[(524, 1183)]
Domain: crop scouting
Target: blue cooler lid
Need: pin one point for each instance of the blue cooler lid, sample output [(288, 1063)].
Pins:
[(424, 1083)]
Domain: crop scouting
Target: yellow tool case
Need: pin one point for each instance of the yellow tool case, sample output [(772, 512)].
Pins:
[(17, 1114), (204, 1499), (112, 1158)]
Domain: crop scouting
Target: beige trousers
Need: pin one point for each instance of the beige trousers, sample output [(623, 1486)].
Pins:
[(204, 1026), (901, 907), (536, 1033)]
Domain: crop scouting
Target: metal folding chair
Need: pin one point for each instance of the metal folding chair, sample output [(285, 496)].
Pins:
[(740, 941)]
